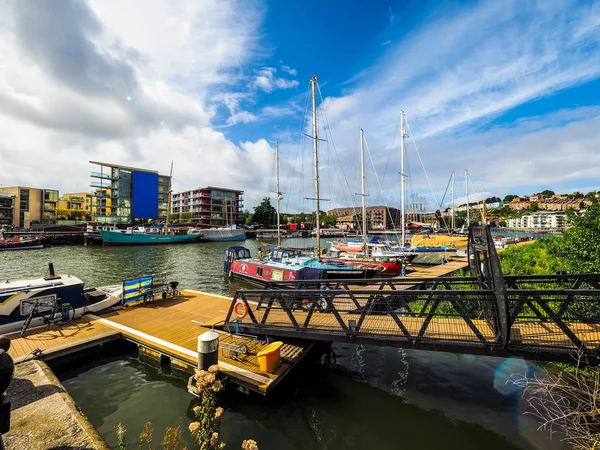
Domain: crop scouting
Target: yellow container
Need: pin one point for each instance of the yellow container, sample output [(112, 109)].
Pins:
[(269, 357)]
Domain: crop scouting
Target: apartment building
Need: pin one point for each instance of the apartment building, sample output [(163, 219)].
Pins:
[(210, 206), (32, 205), (7, 206), (124, 195), (378, 217), (539, 219)]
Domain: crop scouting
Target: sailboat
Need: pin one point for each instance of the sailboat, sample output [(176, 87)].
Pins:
[(229, 233), (419, 254), (356, 253), (147, 236), (287, 264)]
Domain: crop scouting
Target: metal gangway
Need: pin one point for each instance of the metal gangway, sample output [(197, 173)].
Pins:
[(544, 317)]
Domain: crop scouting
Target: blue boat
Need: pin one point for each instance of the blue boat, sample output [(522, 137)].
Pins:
[(129, 237)]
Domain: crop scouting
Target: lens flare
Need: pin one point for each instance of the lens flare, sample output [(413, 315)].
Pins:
[(129, 98), (510, 374)]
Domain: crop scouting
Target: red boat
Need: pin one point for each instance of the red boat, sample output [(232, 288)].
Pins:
[(25, 242), (391, 267), (287, 265), (349, 246)]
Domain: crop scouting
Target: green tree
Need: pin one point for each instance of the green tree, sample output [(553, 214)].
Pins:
[(547, 193), (265, 214), (62, 213), (248, 218), (582, 241), (186, 216), (328, 221), (508, 198)]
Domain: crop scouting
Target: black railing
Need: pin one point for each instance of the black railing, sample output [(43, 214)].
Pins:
[(540, 316)]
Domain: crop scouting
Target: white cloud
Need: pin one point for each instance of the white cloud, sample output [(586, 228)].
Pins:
[(265, 80), (241, 117), (68, 69), (288, 69)]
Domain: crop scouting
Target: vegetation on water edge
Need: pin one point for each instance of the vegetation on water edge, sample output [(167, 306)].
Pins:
[(205, 429), (577, 251)]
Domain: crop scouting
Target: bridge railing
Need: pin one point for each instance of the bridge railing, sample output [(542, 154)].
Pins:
[(380, 317)]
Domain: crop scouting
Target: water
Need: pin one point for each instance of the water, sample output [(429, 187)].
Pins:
[(368, 398)]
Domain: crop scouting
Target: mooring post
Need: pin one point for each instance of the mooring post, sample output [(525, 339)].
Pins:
[(208, 350)]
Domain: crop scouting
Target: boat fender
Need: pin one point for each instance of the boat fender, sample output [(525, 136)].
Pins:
[(240, 309)]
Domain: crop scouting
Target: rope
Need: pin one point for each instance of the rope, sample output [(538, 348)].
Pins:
[(423, 166), (335, 149)]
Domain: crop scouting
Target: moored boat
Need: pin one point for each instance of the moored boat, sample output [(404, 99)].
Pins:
[(287, 265), (25, 242), (111, 238), (224, 234), (16, 298)]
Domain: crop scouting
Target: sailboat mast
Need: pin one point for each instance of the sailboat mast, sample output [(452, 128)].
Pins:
[(403, 181), (363, 189), (278, 192), (453, 227), (169, 199), (313, 82), (467, 188)]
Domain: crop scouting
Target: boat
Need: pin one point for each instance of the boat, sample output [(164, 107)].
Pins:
[(356, 253), (288, 265), (25, 242), (348, 246), (284, 264), (133, 237), (148, 236), (230, 233), (420, 254), (16, 298)]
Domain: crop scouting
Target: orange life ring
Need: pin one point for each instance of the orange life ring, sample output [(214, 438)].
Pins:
[(244, 313)]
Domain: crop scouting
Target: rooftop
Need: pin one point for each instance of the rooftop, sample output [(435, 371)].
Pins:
[(118, 166)]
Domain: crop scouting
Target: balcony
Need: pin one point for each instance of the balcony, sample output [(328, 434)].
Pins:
[(97, 184), (104, 176)]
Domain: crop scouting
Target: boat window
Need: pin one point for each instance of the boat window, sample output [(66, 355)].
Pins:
[(259, 271)]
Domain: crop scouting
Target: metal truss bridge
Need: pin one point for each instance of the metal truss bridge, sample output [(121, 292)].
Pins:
[(546, 317)]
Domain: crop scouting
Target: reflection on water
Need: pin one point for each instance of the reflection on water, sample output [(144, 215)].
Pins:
[(364, 398), (367, 397)]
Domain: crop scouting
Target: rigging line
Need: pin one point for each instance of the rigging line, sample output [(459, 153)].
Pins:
[(422, 165), (444, 197), (299, 145), (379, 183), (335, 148), (390, 152)]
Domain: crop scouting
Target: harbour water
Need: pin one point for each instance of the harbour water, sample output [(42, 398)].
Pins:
[(367, 398)]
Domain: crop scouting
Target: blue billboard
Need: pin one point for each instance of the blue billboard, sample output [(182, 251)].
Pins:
[(144, 195)]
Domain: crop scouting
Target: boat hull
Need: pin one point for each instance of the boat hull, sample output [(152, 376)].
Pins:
[(384, 268), (261, 273), (112, 238), (223, 235), (27, 244), (66, 288)]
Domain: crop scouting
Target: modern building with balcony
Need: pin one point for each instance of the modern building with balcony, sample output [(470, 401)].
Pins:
[(541, 219), (32, 205), (126, 195), (210, 206), (7, 206), (77, 201)]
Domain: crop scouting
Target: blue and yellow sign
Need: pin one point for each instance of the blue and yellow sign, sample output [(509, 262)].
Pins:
[(134, 290)]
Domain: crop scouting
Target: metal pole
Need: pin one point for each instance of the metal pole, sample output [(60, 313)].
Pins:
[(363, 190), (313, 81), (169, 200), (403, 180), (467, 188), (453, 227), (278, 193)]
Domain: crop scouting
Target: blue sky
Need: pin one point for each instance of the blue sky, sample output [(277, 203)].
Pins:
[(509, 90)]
